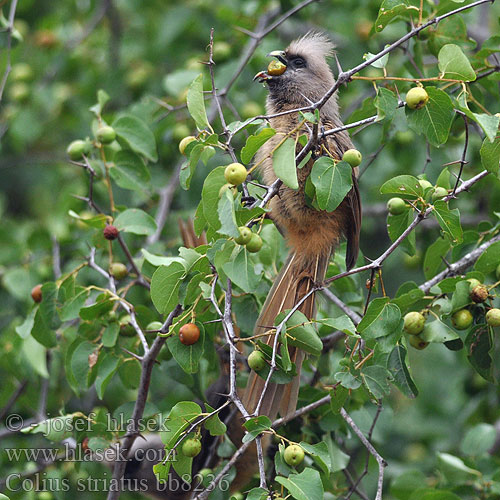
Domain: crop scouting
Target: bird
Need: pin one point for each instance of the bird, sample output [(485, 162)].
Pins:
[(311, 234)]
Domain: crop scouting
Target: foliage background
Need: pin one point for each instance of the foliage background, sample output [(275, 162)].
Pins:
[(144, 52)]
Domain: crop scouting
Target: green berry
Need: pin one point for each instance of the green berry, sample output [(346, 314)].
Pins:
[(77, 149), (191, 447), (353, 157), (184, 143), (225, 187), (473, 283), (245, 235), (416, 98), (154, 325), (439, 192), (396, 206), (462, 319), (417, 342), (106, 134), (425, 184), (256, 361), (235, 174), (493, 317), (414, 322), (294, 455), (255, 243), (118, 270)]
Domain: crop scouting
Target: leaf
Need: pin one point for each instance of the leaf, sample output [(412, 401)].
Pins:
[(379, 63), (256, 426), (304, 486), (450, 30), (301, 333), (42, 333), (160, 260), (347, 380), (405, 186), (320, 454), (254, 143), (386, 103), (196, 103), (455, 470), (187, 356), (135, 221), (36, 356), (129, 171), (71, 309), (405, 483), (227, 216), (489, 123), (435, 118), (478, 440), (165, 286), (449, 220), (241, 271), (284, 163), (389, 11), (339, 396), (100, 307), (342, 323), (136, 135), (106, 369), (377, 380), (332, 181), (210, 196), (182, 466), (257, 493), (54, 429), (437, 331), (48, 306), (214, 425), (80, 362), (453, 63), (490, 155), (489, 259), (399, 370), (479, 347), (24, 329), (434, 255), (102, 99), (179, 418), (381, 319)]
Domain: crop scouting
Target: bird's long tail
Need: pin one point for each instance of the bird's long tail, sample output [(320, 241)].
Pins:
[(297, 277)]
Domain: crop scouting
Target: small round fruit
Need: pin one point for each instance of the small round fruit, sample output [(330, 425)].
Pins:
[(154, 325), (36, 293), (110, 232), (106, 134), (245, 235), (235, 174), (237, 496), (255, 243), (462, 319), (85, 445), (439, 192), (473, 283), (414, 322), (493, 317), (189, 334), (479, 294), (425, 184), (184, 143), (396, 206), (250, 109), (191, 447), (417, 342), (225, 187), (180, 131), (416, 98), (353, 157), (118, 270), (276, 68), (256, 361), (77, 149), (22, 72), (294, 455), (19, 92), (126, 328)]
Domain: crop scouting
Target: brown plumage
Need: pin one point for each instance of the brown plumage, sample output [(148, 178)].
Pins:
[(311, 234)]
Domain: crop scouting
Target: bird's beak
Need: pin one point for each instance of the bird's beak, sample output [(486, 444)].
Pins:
[(263, 76)]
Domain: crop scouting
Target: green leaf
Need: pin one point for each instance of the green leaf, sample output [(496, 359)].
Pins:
[(455, 470), (404, 186), (490, 155), (489, 259), (36, 356), (404, 484), (301, 333), (214, 425), (478, 440), (284, 163), (80, 362), (450, 30), (397, 225), (377, 380), (449, 220), (187, 356), (110, 335), (434, 255), (399, 370), (71, 309), (381, 319), (339, 396), (320, 454), (391, 10), (24, 329), (433, 493), (479, 347), (257, 494), (129, 171), (54, 429), (165, 286), (135, 221), (227, 216), (100, 307), (102, 99), (379, 63), (489, 123), (435, 118), (42, 333), (183, 466), (347, 380), (136, 135), (98, 221), (160, 260), (461, 296), (304, 486), (342, 323), (196, 103), (210, 196), (386, 103), (241, 271), (161, 471), (254, 143), (453, 63), (48, 306), (437, 331), (332, 181), (106, 369), (256, 426), (179, 419)]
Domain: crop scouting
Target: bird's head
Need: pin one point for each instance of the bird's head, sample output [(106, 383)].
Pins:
[(302, 75)]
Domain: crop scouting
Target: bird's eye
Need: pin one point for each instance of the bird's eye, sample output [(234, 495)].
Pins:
[(298, 62)]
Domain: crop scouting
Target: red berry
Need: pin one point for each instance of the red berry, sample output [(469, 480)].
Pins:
[(36, 293), (110, 232), (189, 334)]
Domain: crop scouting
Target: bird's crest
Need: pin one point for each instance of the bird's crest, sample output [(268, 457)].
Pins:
[(312, 43)]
